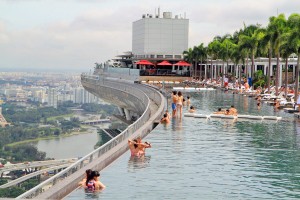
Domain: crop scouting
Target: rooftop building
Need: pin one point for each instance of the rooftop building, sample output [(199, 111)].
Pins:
[(156, 37)]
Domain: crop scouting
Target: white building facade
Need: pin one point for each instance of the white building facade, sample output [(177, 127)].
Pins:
[(52, 97), (160, 38)]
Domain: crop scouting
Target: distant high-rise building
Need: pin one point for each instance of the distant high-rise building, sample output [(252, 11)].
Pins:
[(83, 96), (78, 95), (52, 97)]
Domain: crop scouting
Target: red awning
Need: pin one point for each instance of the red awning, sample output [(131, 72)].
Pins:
[(182, 63), (165, 63), (144, 62)]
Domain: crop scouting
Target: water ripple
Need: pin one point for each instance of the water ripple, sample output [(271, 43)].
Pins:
[(211, 159)]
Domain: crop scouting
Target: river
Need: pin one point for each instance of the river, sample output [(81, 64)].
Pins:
[(71, 147)]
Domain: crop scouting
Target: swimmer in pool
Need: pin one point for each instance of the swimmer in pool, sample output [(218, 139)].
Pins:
[(188, 101), (233, 110), (168, 114), (220, 111), (98, 184), (165, 119), (87, 174), (142, 146), (133, 147), (192, 109), (227, 112)]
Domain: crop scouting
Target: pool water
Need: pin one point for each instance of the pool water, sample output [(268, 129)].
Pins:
[(197, 158)]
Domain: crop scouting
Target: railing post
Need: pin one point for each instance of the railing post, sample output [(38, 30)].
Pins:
[(54, 181), (91, 158)]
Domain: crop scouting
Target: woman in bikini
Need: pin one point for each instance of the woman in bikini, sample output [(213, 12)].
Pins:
[(133, 147), (179, 103), (87, 174)]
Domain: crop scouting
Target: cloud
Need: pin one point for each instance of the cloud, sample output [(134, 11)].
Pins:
[(88, 38), (102, 29)]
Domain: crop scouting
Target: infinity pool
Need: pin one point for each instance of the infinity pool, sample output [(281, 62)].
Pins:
[(197, 158)]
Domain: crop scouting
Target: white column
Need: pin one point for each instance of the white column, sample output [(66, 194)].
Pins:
[(127, 114), (205, 71), (215, 69), (293, 72), (271, 69), (280, 75), (121, 111)]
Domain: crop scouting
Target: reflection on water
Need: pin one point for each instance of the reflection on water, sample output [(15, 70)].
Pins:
[(91, 195), (197, 158), (135, 162)]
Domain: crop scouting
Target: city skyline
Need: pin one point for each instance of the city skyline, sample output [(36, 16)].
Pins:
[(74, 34)]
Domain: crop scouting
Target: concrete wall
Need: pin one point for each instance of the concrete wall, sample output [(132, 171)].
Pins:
[(123, 99)]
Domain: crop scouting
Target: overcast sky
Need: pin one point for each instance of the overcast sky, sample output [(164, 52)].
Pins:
[(74, 34)]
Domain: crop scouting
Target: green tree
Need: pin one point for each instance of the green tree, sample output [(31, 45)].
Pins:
[(277, 27), (294, 25), (286, 49), (249, 40), (188, 56), (214, 51)]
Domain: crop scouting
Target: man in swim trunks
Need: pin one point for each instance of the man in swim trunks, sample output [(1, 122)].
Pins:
[(174, 101)]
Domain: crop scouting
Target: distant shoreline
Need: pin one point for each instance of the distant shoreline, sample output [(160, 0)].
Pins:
[(46, 138)]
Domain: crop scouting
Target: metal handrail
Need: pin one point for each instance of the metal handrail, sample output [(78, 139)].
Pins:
[(104, 148)]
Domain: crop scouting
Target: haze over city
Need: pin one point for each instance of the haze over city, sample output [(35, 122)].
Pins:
[(73, 34)]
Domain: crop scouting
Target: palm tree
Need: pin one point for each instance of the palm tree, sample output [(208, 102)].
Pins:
[(202, 55), (214, 50), (286, 49), (211, 55), (195, 59), (249, 40), (294, 24), (188, 56), (228, 46), (277, 27), (265, 47), (237, 57)]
